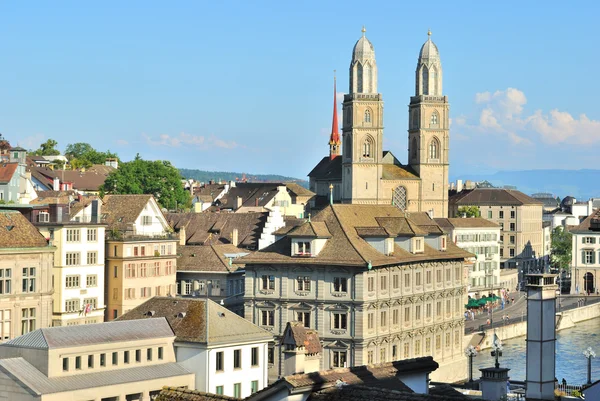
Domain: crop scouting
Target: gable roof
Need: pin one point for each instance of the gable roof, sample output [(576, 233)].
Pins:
[(217, 228), (209, 258), (7, 170), (298, 189), (471, 222), (89, 180), (253, 194), (121, 211), (193, 322), (89, 334), (395, 172), (17, 232), (316, 229), (328, 169), (347, 248), (492, 196), (303, 337), (590, 223)]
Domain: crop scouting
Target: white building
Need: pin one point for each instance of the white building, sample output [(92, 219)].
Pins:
[(585, 262), (109, 362), (227, 353), (480, 237)]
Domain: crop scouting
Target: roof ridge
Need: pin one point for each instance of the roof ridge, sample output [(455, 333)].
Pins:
[(212, 246), (346, 235)]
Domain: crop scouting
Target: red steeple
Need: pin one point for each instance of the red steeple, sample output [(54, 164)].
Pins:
[(334, 139)]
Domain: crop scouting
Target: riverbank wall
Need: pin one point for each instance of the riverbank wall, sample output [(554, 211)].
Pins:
[(564, 320)]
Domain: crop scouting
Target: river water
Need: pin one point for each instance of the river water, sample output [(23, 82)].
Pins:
[(570, 362)]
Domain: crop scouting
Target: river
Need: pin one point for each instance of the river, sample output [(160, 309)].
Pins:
[(570, 362)]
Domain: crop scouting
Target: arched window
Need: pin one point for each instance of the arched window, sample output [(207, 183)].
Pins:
[(434, 82), (359, 76), (399, 198), (434, 149), (414, 148), (435, 118), (367, 116), (425, 81), (368, 147)]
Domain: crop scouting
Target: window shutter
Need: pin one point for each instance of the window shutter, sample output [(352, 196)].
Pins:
[(583, 240), (583, 257), (593, 257)]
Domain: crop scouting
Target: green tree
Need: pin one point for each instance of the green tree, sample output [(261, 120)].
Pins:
[(77, 150), (468, 211), (84, 155), (561, 248), (47, 148), (159, 178)]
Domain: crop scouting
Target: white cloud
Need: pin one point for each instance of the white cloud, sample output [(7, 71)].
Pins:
[(122, 142), (189, 140), (503, 112)]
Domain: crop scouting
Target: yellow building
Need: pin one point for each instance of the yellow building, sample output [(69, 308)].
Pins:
[(141, 252), (365, 173)]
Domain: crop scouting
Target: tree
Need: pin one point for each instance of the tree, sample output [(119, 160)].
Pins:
[(77, 150), (84, 155), (159, 178), (47, 148), (561, 248), (468, 211)]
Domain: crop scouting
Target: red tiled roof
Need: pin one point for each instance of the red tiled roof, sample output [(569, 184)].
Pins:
[(7, 170)]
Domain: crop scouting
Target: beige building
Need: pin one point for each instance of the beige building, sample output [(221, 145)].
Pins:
[(26, 262), (376, 284), (520, 219), (585, 264), (113, 361), (365, 173), (141, 252)]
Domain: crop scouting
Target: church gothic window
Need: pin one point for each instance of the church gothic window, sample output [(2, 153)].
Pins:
[(368, 147), (414, 148), (399, 199), (367, 116), (425, 80), (434, 149), (434, 118)]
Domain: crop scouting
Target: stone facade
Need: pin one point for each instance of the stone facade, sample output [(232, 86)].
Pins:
[(585, 264)]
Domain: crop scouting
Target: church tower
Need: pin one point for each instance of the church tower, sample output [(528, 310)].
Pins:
[(428, 132), (334, 139), (362, 128)]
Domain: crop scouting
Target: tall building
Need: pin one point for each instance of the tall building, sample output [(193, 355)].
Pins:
[(375, 283), (26, 262), (585, 264), (366, 174), (141, 252)]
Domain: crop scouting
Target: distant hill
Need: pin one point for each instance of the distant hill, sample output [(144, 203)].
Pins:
[(582, 184), (205, 176)]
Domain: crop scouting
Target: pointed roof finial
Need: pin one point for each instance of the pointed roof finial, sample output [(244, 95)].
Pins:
[(363, 30), (429, 32)]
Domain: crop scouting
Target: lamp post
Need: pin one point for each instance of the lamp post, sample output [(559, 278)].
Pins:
[(470, 352), (497, 351), (589, 354)]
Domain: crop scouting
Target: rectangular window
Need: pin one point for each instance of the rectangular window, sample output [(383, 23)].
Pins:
[(28, 279), (92, 235), (406, 350), (102, 359), (72, 281), (501, 214), (73, 235), (72, 258), (427, 345), (512, 252), (5, 281), (438, 308), (72, 305), (512, 239), (254, 356), (339, 359), (135, 251), (237, 358), (27, 320), (90, 361), (428, 277), (303, 248), (5, 324), (407, 280), (268, 318), (115, 358), (407, 314), (370, 320), (383, 283), (90, 304), (340, 321), (370, 358), (253, 386), (219, 361), (438, 276), (92, 258), (512, 214), (438, 342), (91, 280), (489, 214), (418, 279), (219, 390), (395, 316), (340, 284), (271, 355), (371, 284), (303, 317), (78, 362), (394, 352), (146, 220), (588, 257), (589, 240), (303, 283), (125, 356), (160, 352), (138, 355), (396, 281), (268, 282), (418, 312), (383, 318), (65, 363), (513, 227), (428, 311), (237, 390), (417, 347)]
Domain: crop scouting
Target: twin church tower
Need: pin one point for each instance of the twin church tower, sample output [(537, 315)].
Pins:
[(359, 171)]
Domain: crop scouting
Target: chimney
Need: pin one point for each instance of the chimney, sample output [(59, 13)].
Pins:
[(182, 236), (255, 201), (459, 185), (234, 237), (96, 210), (238, 202), (56, 184)]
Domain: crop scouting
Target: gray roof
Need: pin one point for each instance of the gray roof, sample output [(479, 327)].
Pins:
[(87, 334), (190, 318), (39, 383)]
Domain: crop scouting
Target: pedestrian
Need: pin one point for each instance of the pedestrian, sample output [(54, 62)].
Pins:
[(488, 322), (512, 299), (564, 382)]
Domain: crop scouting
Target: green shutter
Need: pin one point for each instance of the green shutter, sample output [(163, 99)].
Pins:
[(583, 257), (583, 240)]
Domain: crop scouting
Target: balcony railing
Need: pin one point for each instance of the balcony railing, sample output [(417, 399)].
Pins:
[(117, 235)]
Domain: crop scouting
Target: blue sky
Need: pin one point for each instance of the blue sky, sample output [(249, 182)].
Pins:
[(247, 86)]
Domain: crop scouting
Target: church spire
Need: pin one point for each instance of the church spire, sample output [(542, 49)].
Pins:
[(334, 139)]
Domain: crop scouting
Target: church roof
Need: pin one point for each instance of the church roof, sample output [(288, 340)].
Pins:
[(334, 139), (429, 50), (363, 49), (328, 169), (395, 172)]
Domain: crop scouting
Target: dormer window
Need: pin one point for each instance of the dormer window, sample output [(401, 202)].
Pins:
[(417, 245), (443, 243), (303, 248)]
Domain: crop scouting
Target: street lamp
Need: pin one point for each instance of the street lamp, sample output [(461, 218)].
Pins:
[(470, 352), (589, 354), (497, 351)]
